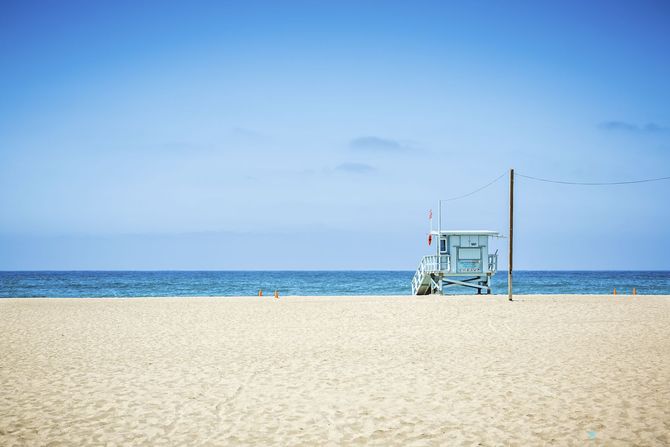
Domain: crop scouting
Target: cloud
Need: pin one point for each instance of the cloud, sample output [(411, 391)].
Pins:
[(377, 144), (247, 134), (181, 146), (653, 127), (618, 125), (356, 168), (631, 127)]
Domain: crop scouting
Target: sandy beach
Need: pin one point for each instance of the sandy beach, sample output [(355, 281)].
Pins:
[(545, 370)]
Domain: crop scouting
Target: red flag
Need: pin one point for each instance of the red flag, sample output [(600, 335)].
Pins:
[(430, 214)]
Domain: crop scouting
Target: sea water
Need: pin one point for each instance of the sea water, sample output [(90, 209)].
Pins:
[(248, 283)]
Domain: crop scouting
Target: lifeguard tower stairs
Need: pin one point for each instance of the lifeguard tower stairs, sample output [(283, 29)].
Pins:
[(462, 259)]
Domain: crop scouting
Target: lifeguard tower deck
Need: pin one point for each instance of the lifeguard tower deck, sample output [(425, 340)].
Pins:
[(462, 259)]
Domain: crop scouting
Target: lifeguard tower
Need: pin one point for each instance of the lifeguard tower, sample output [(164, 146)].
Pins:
[(462, 259)]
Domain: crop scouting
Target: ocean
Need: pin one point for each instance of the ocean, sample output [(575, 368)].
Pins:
[(247, 283)]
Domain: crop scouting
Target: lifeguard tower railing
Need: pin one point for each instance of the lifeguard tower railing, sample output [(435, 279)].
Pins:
[(427, 276), (493, 263)]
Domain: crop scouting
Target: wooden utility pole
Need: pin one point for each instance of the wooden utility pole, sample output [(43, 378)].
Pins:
[(511, 234)]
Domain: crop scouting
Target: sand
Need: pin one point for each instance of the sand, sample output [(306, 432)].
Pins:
[(546, 370)]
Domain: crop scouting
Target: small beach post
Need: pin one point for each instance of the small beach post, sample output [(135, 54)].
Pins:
[(511, 234)]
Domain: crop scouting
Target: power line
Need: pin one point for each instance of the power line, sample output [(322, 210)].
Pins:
[(562, 182), (476, 190)]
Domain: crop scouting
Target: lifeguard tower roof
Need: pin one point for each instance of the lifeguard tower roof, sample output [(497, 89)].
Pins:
[(466, 232)]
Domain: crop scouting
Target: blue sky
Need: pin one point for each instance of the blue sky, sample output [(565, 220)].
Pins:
[(314, 135)]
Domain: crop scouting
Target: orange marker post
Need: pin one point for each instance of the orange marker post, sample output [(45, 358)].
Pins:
[(614, 293)]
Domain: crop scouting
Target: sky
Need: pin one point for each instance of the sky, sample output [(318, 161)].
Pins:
[(317, 135)]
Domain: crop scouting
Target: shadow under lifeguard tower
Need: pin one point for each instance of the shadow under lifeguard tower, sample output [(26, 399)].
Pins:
[(462, 259)]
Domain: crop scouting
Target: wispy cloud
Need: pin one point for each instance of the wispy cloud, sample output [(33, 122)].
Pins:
[(247, 134), (356, 168), (173, 147), (653, 127), (182, 146), (624, 126), (371, 143)]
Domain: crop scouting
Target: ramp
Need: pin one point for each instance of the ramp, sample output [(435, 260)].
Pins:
[(426, 277)]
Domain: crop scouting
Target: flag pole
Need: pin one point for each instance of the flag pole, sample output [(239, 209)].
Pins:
[(439, 226)]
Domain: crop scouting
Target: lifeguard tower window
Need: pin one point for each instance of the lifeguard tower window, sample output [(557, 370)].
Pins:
[(443, 245), (469, 253)]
